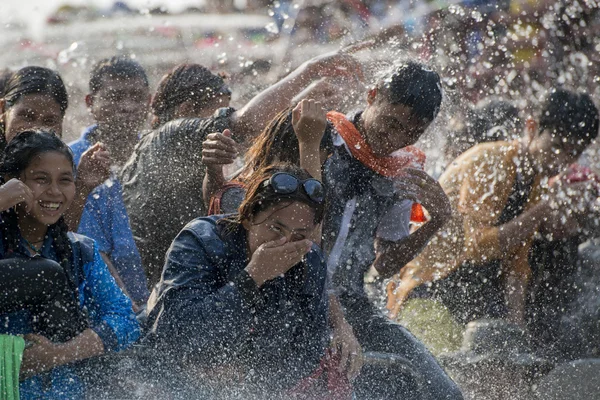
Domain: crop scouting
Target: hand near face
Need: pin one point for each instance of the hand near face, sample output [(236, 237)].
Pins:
[(309, 120), (15, 192), (94, 166), (275, 258)]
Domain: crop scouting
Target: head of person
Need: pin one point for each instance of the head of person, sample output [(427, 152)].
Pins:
[(188, 91), (278, 143), (567, 125), (282, 200), (44, 163), (400, 107), (119, 95), (34, 98)]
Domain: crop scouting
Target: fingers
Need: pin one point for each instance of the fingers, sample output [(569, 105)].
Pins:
[(356, 364), (227, 133), (344, 358), (28, 198), (274, 243), (297, 113)]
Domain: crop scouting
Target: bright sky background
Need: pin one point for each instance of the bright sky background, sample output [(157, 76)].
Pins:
[(38, 10)]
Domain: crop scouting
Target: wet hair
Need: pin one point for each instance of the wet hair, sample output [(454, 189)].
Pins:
[(36, 80), (259, 198), (185, 82), (122, 67), (570, 115), (5, 75), (277, 143), (416, 86), (493, 119), (17, 155)]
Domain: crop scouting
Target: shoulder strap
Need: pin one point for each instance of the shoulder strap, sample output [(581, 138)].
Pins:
[(83, 253)]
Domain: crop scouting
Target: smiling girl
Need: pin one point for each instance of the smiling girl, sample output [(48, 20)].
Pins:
[(54, 274)]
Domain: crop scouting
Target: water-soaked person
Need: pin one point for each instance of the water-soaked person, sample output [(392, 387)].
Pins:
[(36, 98), (118, 100), (245, 294), (381, 206), (490, 260), (74, 312), (164, 176), (299, 136), (371, 188)]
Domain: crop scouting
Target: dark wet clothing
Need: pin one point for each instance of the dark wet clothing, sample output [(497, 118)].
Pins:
[(363, 205), (208, 312), (162, 184)]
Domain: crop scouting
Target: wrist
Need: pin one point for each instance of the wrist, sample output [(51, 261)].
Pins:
[(83, 188), (255, 275)]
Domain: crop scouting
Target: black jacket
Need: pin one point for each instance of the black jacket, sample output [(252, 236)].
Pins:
[(208, 311)]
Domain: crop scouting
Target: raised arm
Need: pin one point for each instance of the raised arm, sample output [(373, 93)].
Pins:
[(250, 120)]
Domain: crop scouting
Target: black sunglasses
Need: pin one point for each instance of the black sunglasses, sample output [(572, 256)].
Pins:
[(284, 183)]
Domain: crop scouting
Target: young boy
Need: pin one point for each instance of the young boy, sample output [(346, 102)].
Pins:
[(372, 185), (118, 100)]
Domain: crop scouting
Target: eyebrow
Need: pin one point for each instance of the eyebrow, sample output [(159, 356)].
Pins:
[(288, 228)]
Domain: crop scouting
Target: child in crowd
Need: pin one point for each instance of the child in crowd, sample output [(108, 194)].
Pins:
[(36, 98), (76, 311), (118, 100)]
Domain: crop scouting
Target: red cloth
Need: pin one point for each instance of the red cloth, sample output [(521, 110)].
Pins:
[(338, 387), (390, 166)]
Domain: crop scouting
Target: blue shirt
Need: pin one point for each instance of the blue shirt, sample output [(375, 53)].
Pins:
[(109, 311), (105, 220)]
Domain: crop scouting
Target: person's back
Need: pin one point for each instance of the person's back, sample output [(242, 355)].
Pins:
[(162, 185)]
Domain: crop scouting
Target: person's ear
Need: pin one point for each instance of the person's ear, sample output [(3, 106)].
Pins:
[(89, 101), (372, 95)]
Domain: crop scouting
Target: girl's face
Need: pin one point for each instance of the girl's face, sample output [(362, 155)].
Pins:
[(32, 111), (294, 222), (50, 177)]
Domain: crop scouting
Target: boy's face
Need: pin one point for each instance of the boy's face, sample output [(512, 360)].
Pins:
[(120, 105), (390, 127), (551, 154)]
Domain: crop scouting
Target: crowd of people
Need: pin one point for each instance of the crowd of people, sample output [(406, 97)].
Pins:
[(224, 253)]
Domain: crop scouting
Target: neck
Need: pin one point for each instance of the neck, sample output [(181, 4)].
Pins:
[(32, 230)]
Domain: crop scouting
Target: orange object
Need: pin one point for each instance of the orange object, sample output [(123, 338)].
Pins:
[(390, 166)]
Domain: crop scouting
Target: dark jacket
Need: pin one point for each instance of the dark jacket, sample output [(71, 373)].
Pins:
[(208, 311)]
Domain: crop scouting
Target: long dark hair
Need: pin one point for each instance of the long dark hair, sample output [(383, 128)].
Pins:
[(277, 143), (17, 155), (34, 80)]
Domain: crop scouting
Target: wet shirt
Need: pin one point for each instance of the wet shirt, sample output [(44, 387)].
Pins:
[(162, 184), (105, 220), (109, 311), (361, 205), (206, 300)]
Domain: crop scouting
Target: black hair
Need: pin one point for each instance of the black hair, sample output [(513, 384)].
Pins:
[(16, 157), (185, 82), (36, 80), (570, 115), (116, 67), (5, 76), (416, 86), (493, 119)]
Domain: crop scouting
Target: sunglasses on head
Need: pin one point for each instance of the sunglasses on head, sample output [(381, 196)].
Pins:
[(284, 183)]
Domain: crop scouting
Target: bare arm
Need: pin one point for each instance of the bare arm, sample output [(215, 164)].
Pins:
[(254, 116)]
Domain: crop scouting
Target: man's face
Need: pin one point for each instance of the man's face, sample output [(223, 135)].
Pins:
[(390, 127), (120, 105), (553, 153)]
